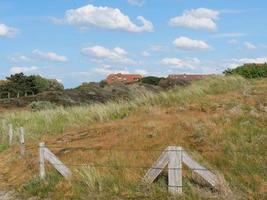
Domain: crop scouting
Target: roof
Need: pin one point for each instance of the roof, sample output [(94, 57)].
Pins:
[(128, 78)]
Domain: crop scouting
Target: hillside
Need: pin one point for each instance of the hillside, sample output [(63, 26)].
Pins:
[(84, 95), (221, 121)]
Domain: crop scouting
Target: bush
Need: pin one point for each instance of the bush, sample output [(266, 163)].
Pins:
[(42, 105), (152, 80), (249, 71), (169, 83), (22, 84)]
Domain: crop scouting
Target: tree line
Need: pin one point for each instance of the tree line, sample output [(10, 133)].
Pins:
[(20, 85)]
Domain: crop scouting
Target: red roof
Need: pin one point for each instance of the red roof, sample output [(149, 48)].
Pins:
[(126, 78)]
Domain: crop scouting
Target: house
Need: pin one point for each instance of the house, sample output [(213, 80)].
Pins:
[(124, 78), (187, 77)]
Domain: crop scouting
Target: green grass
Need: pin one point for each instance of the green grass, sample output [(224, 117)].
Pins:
[(58, 120), (41, 188)]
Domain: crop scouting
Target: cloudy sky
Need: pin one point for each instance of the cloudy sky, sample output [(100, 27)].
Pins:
[(84, 40)]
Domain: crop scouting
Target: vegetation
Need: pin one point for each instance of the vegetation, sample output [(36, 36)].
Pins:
[(20, 84), (220, 120), (152, 80), (58, 120), (249, 71), (42, 105)]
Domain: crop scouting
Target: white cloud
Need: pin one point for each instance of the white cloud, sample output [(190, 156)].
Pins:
[(141, 71), (136, 2), (19, 58), (230, 35), (249, 45), (201, 18), (186, 43), (16, 70), (6, 31), (105, 17), (145, 54), (232, 63), (106, 70), (180, 64), (51, 56), (116, 55), (157, 48)]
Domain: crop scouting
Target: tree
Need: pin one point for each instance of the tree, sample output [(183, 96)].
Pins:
[(249, 71), (152, 80), (22, 84)]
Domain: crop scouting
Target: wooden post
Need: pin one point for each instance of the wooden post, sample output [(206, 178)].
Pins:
[(3, 130), (10, 134), (175, 170), (42, 160), (22, 141)]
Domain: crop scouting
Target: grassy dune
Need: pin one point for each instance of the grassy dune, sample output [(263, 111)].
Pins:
[(60, 119), (221, 121)]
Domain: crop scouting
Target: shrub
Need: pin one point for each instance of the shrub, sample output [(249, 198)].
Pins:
[(22, 84), (249, 71), (42, 105), (152, 80)]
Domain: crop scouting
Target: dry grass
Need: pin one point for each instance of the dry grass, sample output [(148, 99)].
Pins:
[(225, 131)]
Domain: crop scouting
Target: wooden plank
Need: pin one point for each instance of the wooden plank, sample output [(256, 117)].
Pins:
[(175, 170), (202, 171), (42, 160), (60, 167), (157, 167), (10, 134), (22, 141)]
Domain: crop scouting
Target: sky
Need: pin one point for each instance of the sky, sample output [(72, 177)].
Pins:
[(76, 41)]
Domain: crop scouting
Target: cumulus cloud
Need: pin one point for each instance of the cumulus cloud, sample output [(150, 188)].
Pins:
[(105, 17), (116, 55), (136, 2), (186, 43), (249, 45), (201, 18), (177, 63), (51, 56), (16, 70), (6, 31)]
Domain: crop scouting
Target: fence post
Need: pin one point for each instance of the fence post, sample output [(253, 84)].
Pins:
[(22, 141), (42, 160), (175, 170), (3, 130), (10, 134)]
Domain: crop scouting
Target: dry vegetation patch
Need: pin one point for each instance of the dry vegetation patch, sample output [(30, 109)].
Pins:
[(218, 129)]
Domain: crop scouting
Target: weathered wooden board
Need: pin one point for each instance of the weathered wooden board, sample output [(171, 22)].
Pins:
[(10, 134), (22, 141), (202, 171), (157, 167), (175, 170), (60, 167), (42, 160)]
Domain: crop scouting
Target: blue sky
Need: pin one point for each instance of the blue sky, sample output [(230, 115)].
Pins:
[(79, 41)]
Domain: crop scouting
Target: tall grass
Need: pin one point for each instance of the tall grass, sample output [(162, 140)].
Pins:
[(58, 120)]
